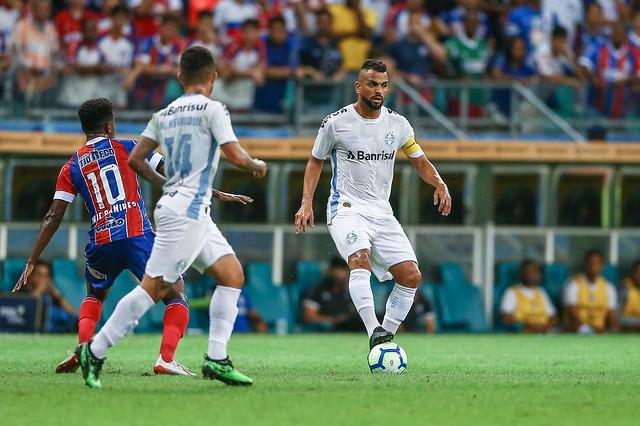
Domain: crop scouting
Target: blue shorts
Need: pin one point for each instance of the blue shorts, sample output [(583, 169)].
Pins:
[(105, 262)]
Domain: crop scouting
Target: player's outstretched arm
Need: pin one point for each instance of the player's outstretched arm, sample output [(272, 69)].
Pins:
[(311, 178), (225, 196), (237, 156), (48, 227), (138, 162), (430, 175)]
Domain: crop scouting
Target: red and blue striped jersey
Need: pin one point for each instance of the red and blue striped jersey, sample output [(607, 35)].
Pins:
[(610, 66), (109, 187)]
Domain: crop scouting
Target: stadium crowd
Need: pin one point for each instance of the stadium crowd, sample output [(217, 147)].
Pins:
[(59, 53)]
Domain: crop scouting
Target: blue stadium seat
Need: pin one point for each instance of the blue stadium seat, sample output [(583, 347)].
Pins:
[(270, 301), (555, 276), (308, 274), (507, 274), (381, 292), (11, 270), (69, 282), (452, 273), (610, 272), (460, 303), (428, 291), (498, 292)]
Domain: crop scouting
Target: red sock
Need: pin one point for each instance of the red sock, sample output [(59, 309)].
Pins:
[(176, 318), (90, 312)]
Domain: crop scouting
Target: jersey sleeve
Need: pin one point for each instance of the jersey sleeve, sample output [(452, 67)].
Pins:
[(65, 190), (551, 310), (410, 147), (152, 131), (612, 297), (570, 295), (325, 141), (590, 58), (508, 303), (221, 128)]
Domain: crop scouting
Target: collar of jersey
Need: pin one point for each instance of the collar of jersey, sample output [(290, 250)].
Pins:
[(367, 120), (94, 140)]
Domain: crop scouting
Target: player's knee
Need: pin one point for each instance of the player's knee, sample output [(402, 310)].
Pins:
[(235, 278), (360, 260), (412, 278)]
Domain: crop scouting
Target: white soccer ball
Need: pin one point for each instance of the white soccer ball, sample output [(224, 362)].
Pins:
[(387, 358)]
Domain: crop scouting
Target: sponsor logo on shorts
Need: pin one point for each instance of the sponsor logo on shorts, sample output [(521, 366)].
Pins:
[(351, 238), (96, 274), (181, 265)]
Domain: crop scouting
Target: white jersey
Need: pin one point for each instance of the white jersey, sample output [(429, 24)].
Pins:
[(190, 131), (363, 153)]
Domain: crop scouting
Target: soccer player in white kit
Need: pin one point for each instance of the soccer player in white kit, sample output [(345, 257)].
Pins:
[(191, 131), (362, 140)]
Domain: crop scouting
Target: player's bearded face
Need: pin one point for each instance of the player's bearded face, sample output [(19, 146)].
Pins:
[(373, 87)]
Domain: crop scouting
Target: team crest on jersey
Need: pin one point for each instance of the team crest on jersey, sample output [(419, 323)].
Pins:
[(389, 138), (351, 238)]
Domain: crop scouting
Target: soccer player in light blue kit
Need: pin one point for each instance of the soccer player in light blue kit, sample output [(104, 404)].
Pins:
[(191, 131)]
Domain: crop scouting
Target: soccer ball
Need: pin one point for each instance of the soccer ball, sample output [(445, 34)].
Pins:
[(387, 358)]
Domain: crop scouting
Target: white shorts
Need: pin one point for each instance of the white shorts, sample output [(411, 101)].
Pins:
[(389, 245), (182, 242)]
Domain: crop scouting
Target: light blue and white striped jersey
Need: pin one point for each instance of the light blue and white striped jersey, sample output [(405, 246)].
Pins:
[(190, 131)]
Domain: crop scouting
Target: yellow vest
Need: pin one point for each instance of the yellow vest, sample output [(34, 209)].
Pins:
[(530, 311), (632, 304), (592, 304)]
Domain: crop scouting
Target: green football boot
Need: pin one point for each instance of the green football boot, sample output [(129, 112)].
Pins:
[(90, 364), (224, 371)]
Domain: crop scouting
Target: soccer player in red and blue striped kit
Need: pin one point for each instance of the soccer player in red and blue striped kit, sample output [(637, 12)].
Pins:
[(120, 237)]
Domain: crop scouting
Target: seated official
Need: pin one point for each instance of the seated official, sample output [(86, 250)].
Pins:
[(526, 306), (630, 299), (248, 319), (62, 317), (590, 300), (329, 303), (420, 317)]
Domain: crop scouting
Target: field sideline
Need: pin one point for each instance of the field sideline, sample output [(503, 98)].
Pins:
[(324, 380)]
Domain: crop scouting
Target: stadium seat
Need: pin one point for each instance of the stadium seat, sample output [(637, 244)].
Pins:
[(381, 292), (610, 272), (498, 292), (270, 301), (69, 282), (460, 303), (428, 291), (308, 274), (507, 274), (555, 276), (11, 270)]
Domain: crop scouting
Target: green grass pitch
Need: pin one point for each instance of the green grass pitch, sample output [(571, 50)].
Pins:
[(324, 380)]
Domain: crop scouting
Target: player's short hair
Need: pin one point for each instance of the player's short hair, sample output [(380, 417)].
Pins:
[(250, 23), (197, 65), (338, 262), (94, 115), (593, 252), (277, 19), (170, 18), (205, 14), (559, 32), (120, 9), (374, 64)]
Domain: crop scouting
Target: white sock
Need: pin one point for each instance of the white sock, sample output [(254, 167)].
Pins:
[(398, 306), (223, 311), (123, 319), (362, 297)]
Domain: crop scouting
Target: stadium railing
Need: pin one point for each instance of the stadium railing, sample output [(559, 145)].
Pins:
[(478, 250)]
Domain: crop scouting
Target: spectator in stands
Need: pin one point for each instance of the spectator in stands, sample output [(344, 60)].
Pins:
[(248, 319), (568, 14), (117, 50), (205, 34), (630, 299), (634, 33), (36, 51), (320, 58), (353, 24), (243, 69), (195, 7), (420, 317), (526, 306), (399, 17), (468, 54), (592, 32), (329, 303), (414, 54), (454, 20), (106, 17), (69, 23), (280, 66), (84, 70), (615, 10), (148, 15), (526, 22), (515, 65), (155, 64), (611, 69), (62, 316), (590, 300), (229, 17), (8, 19)]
